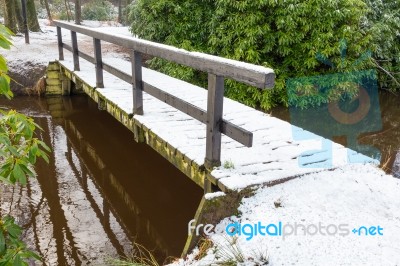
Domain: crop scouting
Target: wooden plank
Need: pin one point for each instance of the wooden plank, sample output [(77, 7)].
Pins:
[(250, 74), (67, 47), (137, 83), (181, 105), (118, 73), (75, 51), (239, 134), (60, 44), (215, 103), (98, 63), (87, 57), (106, 67)]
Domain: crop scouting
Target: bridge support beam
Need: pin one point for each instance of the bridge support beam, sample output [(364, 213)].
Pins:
[(209, 187), (211, 210), (53, 79)]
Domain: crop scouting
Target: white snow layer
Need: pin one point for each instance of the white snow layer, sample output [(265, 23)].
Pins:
[(351, 197)]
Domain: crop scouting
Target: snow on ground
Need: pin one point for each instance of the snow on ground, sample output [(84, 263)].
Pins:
[(346, 198), (350, 197), (43, 45)]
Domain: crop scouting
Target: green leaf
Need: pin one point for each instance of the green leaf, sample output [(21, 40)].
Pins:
[(3, 64), (19, 174), (5, 260), (14, 231), (44, 146), (6, 31), (17, 261), (4, 85), (27, 171), (30, 254), (2, 243), (34, 149), (45, 157), (32, 157), (4, 43)]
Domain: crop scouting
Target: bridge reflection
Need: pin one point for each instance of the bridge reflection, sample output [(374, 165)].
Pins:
[(101, 191)]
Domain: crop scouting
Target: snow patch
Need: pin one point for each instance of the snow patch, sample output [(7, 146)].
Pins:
[(210, 196)]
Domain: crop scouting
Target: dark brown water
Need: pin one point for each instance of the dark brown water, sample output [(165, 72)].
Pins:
[(378, 136), (101, 192)]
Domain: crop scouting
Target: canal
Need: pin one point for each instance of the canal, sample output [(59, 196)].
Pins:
[(101, 192)]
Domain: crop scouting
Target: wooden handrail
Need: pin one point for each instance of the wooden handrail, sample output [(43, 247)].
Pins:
[(257, 76), (217, 68)]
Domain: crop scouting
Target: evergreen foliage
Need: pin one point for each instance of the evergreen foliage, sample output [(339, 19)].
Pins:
[(101, 10), (383, 21), (296, 38)]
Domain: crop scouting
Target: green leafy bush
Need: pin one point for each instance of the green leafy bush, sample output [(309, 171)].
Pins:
[(13, 251), (179, 23), (101, 10), (383, 21), (19, 149), (284, 35)]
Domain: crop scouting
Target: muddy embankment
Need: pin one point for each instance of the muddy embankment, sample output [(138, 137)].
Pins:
[(27, 78)]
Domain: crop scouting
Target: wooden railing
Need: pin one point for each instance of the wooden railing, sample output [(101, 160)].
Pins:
[(217, 68)]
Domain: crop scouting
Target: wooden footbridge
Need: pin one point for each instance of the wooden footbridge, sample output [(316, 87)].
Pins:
[(220, 144)]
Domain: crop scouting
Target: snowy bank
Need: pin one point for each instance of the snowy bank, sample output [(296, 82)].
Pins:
[(27, 62), (336, 201)]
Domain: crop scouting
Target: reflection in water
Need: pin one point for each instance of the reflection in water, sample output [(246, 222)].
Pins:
[(386, 139), (101, 191)]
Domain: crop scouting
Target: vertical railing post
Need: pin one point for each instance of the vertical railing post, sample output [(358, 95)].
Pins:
[(137, 85), (98, 63), (60, 44), (215, 102), (75, 51)]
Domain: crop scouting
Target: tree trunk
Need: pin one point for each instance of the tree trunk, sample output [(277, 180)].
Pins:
[(10, 19), (125, 17), (18, 15), (68, 9), (78, 16), (46, 5), (33, 22), (119, 11)]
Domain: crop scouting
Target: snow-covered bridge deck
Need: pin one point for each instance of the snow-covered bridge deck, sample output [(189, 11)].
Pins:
[(274, 157)]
